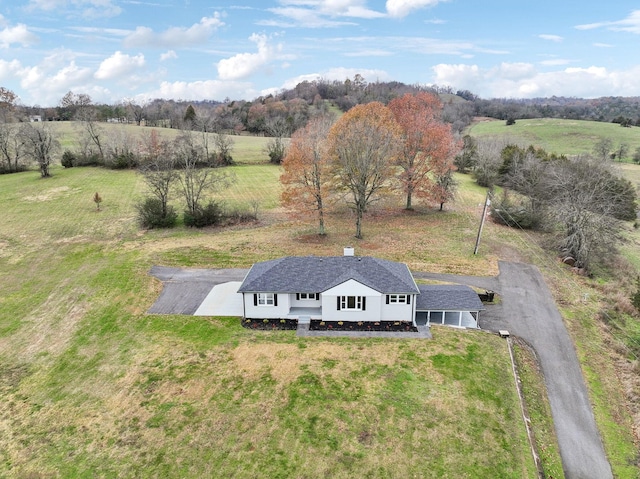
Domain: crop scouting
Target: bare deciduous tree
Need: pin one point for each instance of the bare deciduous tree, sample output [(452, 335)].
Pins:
[(224, 147), (602, 149), (7, 104), (12, 149), (488, 161), (196, 181), (588, 199), (158, 169), (40, 144)]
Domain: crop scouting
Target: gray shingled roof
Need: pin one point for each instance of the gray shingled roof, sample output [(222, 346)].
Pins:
[(448, 297), (315, 274)]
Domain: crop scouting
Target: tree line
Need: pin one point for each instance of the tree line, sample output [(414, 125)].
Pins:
[(583, 201)]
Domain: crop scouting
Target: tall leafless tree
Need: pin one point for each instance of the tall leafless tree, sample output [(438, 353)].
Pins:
[(195, 180), (588, 200), (12, 149), (158, 169), (40, 144)]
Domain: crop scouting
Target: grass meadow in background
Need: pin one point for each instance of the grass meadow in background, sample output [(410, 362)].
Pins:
[(563, 137), (91, 385)]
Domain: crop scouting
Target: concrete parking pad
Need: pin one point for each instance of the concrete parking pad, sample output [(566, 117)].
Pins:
[(222, 300)]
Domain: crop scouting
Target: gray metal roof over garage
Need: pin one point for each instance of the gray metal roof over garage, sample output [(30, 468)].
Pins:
[(448, 297), (315, 274)]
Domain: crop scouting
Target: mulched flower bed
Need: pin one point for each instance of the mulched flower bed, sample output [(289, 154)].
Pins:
[(270, 324), (361, 326)]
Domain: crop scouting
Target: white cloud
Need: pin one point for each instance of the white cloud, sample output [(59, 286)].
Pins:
[(46, 88), (168, 55), (18, 34), (243, 65), (87, 8), (524, 81), (515, 71), (551, 38), (320, 13), (119, 65), (200, 90), (402, 8), (175, 37), (9, 68), (369, 53), (630, 24), (338, 8), (302, 18)]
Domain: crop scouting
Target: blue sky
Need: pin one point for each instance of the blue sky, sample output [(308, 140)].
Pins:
[(117, 50)]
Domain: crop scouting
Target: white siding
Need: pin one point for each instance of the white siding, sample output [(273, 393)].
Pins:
[(266, 312), (351, 287), (304, 303), (397, 312)]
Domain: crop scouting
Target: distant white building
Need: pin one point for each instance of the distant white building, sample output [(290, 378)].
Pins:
[(35, 118)]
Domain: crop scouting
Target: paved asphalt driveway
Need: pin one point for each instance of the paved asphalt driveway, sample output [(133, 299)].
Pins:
[(185, 289), (527, 310)]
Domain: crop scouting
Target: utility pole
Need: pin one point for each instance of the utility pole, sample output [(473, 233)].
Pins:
[(487, 202)]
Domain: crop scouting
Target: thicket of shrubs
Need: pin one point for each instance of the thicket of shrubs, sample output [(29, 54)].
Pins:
[(151, 215)]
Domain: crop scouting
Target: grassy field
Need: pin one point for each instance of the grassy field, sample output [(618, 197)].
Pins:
[(92, 386), (569, 137), (246, 149)]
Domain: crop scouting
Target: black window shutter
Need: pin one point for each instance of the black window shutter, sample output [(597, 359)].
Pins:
[(408, 299), (275, 299), (387, 299), (364, 303), (338, 306), (317, 296), (255, 299), (297, 296)]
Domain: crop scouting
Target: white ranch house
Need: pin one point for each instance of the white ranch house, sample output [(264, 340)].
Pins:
[(352, 288)]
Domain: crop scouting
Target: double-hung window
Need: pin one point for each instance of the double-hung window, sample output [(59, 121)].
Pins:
[(398, 299), (352, 303), (266, 299), (314, 296)]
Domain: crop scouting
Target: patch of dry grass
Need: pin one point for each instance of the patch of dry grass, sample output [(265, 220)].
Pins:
[(282, 409)]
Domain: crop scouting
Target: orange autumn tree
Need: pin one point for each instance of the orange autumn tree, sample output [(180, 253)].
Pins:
[(428, 148), (363, 145), (305, 169)]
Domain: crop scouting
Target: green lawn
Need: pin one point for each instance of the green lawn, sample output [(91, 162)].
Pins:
[(569, 137)]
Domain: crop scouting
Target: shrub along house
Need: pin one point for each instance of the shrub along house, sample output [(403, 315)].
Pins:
[(369, 292)]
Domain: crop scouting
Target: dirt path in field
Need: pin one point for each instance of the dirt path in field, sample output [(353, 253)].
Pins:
[(527, 310)]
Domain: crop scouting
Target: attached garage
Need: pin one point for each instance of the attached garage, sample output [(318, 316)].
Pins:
[(449, 305)]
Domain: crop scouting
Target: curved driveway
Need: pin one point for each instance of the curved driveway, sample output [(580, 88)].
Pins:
[(528, 310)]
